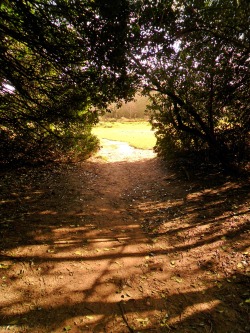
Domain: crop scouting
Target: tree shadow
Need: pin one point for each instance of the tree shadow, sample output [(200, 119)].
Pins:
[(204, 310), (59, 229)]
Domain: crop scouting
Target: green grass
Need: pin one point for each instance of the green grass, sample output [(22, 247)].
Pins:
[(137, 134)]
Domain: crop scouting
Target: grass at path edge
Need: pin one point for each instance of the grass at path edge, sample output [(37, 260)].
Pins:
[(136, 134)]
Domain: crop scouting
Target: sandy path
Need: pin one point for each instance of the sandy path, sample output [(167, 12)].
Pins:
[(117, 244), (88, 251)]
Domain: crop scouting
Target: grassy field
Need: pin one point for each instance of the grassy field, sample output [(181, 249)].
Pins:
[(137, 134)]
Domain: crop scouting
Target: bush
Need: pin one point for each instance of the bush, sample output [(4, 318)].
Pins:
[(23, 147)]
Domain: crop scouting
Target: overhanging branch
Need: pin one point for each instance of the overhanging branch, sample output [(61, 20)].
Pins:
[(176, 99)]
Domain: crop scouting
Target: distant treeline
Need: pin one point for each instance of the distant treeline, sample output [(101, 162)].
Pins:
[(135, 109)]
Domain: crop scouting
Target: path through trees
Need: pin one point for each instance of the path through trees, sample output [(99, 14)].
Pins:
[(121, 244)]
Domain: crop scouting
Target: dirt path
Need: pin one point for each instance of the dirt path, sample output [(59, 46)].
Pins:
[(120, 244)]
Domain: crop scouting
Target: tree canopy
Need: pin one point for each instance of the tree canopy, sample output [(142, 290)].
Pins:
[(61, 61), (58, 65), (193, 58)]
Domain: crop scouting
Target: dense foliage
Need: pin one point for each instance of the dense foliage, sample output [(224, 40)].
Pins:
[(63, 61), (58, 65), (193, 59)]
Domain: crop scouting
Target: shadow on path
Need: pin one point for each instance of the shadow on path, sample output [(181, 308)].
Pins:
[(122, 247)]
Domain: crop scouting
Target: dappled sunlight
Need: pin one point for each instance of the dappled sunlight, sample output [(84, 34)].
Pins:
[(48, 212), (113, 246), (192, 311)]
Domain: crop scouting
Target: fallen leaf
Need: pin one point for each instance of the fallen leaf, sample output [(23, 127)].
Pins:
[(177, 279), (142, 321), (240, 265), (164, 322), (117, 263), (140, 288), (89, 317), (4, 266)]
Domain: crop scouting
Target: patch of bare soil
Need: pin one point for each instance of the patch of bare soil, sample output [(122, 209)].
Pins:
[(120, 244)]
